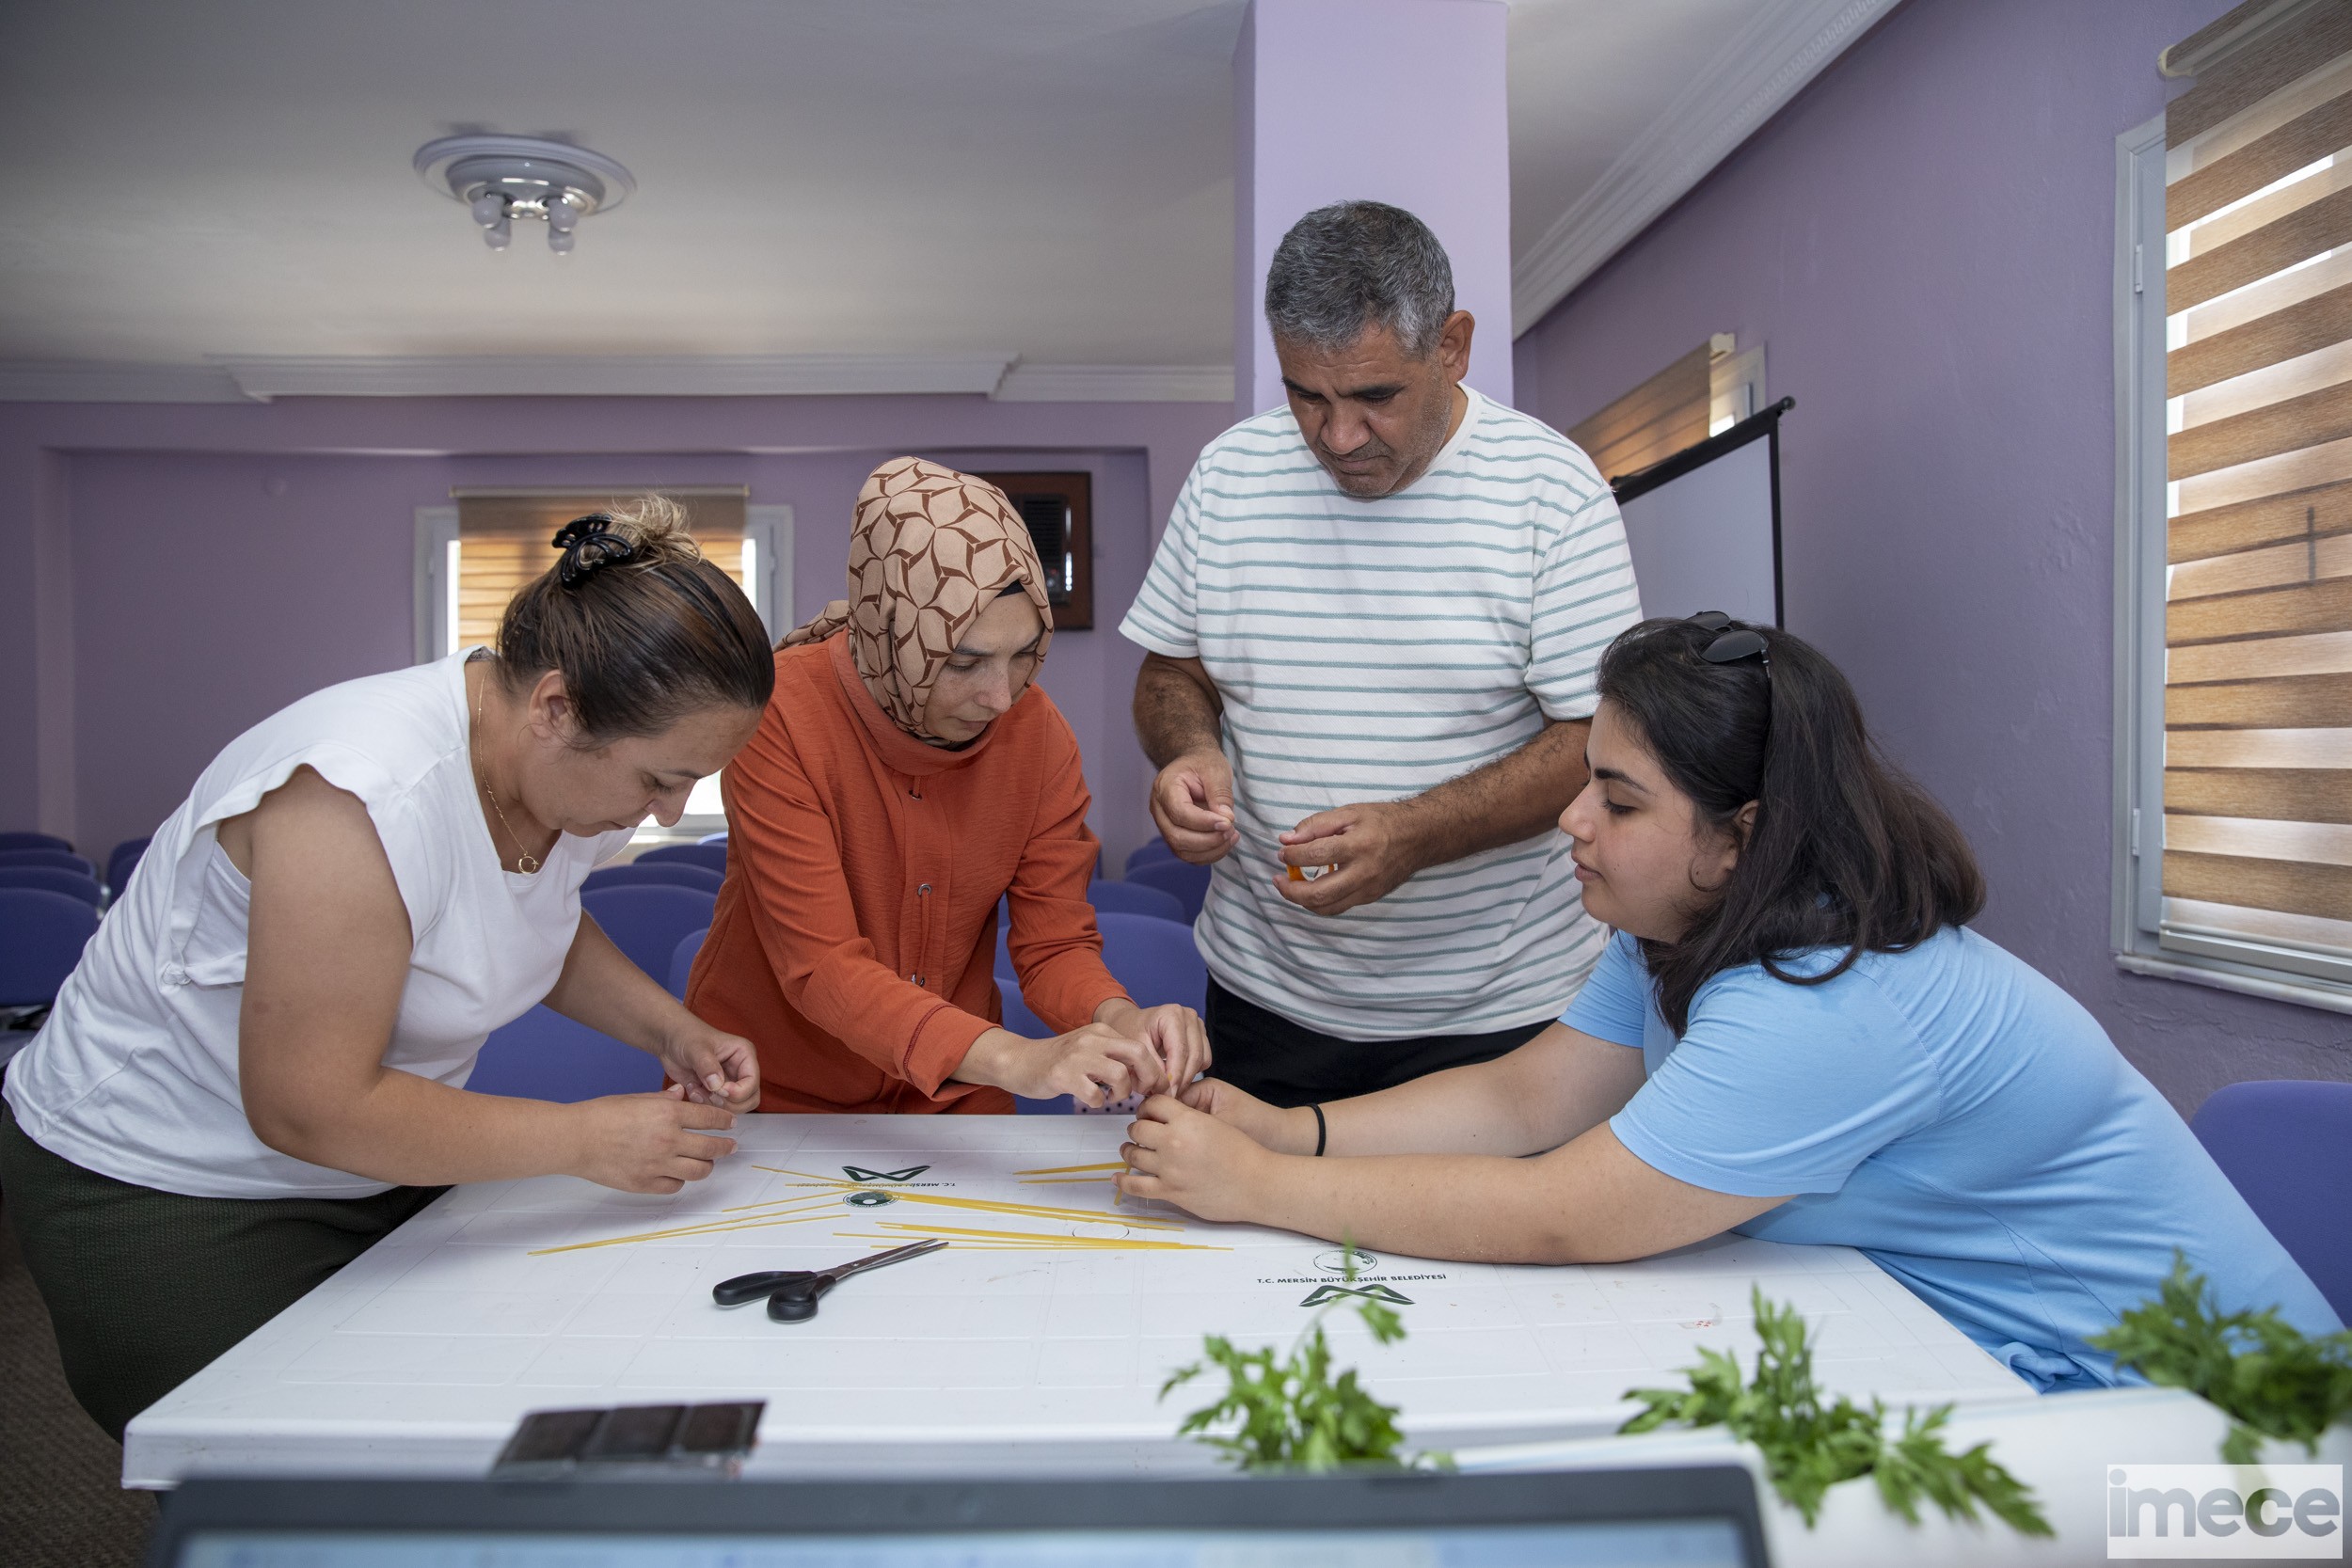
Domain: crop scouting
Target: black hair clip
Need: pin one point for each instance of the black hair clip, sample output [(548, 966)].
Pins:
[(588, 543)]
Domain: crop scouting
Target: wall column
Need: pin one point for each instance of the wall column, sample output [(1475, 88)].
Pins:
[(1395, 101)]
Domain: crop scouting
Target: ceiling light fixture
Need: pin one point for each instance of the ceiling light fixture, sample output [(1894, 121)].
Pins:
[(501, 179)]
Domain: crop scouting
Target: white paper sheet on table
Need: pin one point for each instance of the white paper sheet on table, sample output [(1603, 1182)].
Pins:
[(419, 1357)]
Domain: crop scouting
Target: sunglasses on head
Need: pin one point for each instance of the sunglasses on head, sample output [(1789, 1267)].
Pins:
[(1733, 645)]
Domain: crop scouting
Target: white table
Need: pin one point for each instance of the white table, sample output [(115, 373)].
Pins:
[(419, 1357)]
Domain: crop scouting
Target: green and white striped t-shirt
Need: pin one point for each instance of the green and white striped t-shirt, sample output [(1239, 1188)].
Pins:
[(1369, 650)]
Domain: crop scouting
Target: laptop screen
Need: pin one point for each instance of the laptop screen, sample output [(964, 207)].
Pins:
[(1661, 1544), (1695, 1516)]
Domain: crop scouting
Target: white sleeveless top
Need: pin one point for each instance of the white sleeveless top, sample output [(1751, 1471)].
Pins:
[(134, 1074)]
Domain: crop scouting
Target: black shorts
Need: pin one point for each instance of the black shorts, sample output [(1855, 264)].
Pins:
[(1288, 1063), (147, 1288)]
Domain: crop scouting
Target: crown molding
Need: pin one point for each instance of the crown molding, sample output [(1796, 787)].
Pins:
[(1117, 384), (1783, 46), (614, 375), (104, 381), (241, 379)]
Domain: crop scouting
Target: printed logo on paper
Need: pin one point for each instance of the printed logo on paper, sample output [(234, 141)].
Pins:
[(1370, 1271), (859, 1172), (1370, 1292), (2243, 1513)]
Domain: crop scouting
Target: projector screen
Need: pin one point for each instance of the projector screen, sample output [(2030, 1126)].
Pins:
[(1704, 526)]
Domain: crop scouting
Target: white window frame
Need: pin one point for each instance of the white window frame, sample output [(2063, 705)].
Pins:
[(767, 528), (767, 531), (1734, 385), (436, 533), (2142, 945)]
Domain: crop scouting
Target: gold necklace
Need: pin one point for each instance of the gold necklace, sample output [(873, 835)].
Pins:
[(525, 862)]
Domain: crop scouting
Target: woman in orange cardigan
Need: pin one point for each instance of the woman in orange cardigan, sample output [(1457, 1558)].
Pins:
[(905, 777)]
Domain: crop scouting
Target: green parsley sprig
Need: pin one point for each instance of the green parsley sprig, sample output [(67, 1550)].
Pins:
[(1809, 1446), (2271, 1379), (1293, 1414)]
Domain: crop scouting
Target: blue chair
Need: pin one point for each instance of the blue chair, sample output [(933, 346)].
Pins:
[(1151, 854), (72, 883), (42, 938), (710, 857), (34, 841), (719, 837), (1156, 960), (1022, 1021), (647, 921), (1188, 884), (1134, 898), (1017, 1015), (123, 860), (1005, 972), (666, 874), (544, 1055), (682, 961), (61, 859), (2286, 1146)]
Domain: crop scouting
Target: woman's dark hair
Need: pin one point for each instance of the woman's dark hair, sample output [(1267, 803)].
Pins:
[(1845, 851), (643, 628)]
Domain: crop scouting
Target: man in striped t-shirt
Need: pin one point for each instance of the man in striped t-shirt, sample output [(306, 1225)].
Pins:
[(1371, 629)]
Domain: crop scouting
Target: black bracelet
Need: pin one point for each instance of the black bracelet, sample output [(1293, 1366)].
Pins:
[(1322, 1130)]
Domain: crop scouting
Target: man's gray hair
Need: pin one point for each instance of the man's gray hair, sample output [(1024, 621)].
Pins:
[(1354, 265)]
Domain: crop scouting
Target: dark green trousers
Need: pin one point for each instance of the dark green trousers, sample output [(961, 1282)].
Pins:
[(147, 1288)]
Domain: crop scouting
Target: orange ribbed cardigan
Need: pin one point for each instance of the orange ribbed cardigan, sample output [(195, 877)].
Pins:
[(854, 941)]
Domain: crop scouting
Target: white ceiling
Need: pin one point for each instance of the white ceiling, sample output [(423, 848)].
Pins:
[(1587, 77), (1043, 178)]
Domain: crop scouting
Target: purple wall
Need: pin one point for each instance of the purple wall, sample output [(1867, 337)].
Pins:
[(210, 592), (1924, 242), (1306, 76), (177, 573)]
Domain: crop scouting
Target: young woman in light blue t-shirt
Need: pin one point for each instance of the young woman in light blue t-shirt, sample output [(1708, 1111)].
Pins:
[(1793, 1035)]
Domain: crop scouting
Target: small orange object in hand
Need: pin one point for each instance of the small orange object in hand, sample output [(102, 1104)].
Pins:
[(1309, 873)]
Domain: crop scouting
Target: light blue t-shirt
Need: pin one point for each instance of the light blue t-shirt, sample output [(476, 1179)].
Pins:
[(1954, 1115)]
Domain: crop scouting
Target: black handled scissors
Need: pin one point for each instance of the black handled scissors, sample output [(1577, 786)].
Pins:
[(754, 1287), (793, 1293)]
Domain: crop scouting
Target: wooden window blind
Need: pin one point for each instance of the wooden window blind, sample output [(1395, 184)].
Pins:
[(2258, 600), (503, 542), (1660, 418)]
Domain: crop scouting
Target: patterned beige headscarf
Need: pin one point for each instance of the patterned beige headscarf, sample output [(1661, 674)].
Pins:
[(930, 549)]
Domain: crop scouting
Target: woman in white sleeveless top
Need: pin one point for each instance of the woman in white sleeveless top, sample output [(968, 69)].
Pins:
[(258, 1067)]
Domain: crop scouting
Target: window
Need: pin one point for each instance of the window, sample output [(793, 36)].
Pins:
[(473, 555), (1704, 393), (2235, 513), (1058, 509)]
